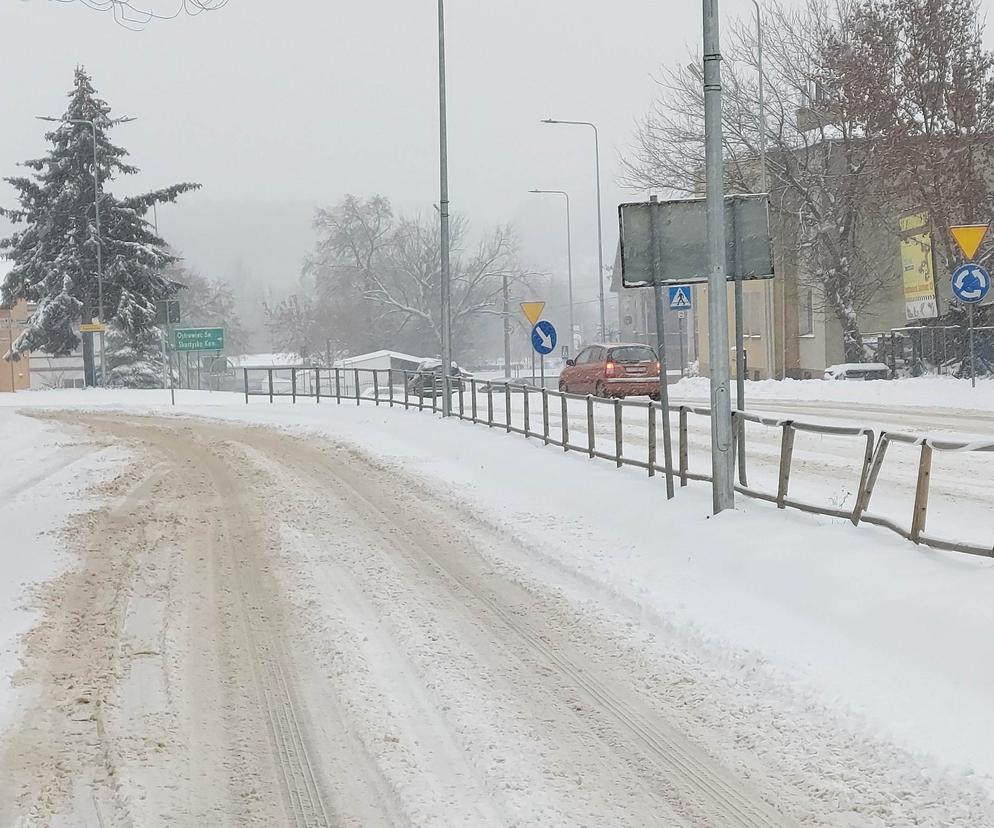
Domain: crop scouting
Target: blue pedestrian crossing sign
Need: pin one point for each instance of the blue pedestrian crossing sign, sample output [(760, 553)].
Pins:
[(971, 283), (544, 337), (680, 298)]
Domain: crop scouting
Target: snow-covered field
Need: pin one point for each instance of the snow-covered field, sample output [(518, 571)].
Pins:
[(843, 672)]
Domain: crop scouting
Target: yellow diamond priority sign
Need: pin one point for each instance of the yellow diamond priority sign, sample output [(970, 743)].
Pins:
[(533, 311), (969, 238)]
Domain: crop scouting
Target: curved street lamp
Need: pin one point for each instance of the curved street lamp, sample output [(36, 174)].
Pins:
[(569, 261), (600, 223)]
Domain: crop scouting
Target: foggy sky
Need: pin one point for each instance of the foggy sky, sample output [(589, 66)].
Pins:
[(276, 111)]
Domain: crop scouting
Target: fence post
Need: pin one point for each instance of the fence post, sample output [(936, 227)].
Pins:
[(317, 385), (866, 491), (472, 399), (245, 371), (434, 396), (376, 386), (358, 399), (526, 401), (863, 477), (545, 414), (786, 455), (421, 394), (460, 384), (590, 425), (270, 370), (652, 439), (507, 405), (618, 437), (921, 493), (390, 383), (565, 423), (407, 391), (684, 447), (490, 405), (293, 385), (338, 386)]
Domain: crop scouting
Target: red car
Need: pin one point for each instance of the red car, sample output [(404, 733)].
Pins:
[(615, 370)]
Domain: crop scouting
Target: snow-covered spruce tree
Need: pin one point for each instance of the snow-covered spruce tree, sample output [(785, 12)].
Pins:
[(54, 245), (134, 361)]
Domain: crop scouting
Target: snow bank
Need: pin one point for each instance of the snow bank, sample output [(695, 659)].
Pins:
[(937, 392), (875, 626)]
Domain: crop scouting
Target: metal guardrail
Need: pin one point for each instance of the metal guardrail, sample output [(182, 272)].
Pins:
[(475, 404)]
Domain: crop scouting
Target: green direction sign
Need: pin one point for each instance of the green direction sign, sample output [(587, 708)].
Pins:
[(199, 339)]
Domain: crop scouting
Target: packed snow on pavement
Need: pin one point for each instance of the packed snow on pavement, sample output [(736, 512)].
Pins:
[(843, 672)]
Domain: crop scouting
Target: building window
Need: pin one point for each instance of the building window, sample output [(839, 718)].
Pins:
[(753, 310), (806, 313)]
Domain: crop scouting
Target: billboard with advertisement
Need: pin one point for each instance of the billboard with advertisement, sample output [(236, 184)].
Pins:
[(918, 270)]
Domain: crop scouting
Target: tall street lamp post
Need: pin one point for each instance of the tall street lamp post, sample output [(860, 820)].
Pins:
[(443, 205), (764, 185), (569, 263), (600, 223), (722, 457)]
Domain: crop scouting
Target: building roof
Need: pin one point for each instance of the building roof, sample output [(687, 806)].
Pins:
[(378, 355), (257, 360)]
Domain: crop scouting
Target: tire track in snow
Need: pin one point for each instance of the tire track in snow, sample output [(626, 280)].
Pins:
[(708, 790)]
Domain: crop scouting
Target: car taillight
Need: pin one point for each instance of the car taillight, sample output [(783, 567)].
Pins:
[(610, 369), (658, 368)]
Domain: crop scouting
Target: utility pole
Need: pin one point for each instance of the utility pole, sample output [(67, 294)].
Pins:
[(443, 205), (664, 390), (507, 331), (722, 456)]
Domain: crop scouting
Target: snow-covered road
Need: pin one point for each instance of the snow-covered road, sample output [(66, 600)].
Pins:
[(359, 616)]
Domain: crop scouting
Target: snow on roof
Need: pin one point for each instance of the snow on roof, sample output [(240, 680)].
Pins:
[(857, 366), (264, 359), (377, 355)]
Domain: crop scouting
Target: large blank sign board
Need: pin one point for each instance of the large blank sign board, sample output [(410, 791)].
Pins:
[(681, 231)]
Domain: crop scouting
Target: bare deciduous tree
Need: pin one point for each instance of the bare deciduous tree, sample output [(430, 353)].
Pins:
[(409, 284), (874, 107), (135, 15), (818, 158), (374, 280)]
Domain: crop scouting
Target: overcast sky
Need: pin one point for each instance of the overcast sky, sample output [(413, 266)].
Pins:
[(275, 111)]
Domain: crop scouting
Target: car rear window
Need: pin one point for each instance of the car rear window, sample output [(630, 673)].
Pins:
[(633, 353)]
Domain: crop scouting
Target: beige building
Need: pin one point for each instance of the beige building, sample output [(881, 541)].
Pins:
[(789, 332), (14, 375)]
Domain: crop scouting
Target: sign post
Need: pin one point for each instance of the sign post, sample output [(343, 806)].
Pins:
[(533, 312), (544, 340), (691, 235), (168, 314), (664, 390), (681, 301), (970, 282)]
